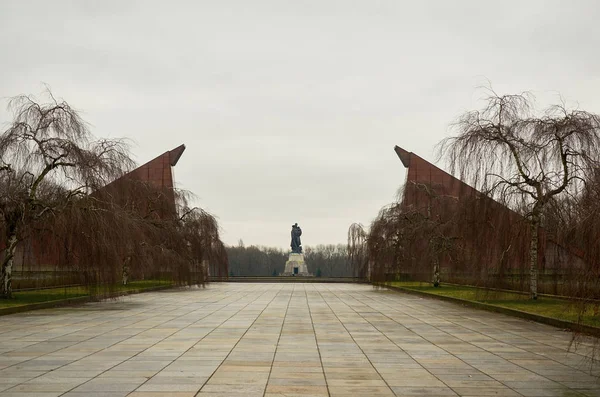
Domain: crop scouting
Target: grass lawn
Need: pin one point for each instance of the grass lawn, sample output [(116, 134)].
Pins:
[(21, 298), (558, 308)]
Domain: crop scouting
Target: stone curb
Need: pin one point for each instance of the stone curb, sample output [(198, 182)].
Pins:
[(292, 279), (74, 301), (586, 329)]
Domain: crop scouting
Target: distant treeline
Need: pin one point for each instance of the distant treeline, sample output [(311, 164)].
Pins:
[(322, 260)]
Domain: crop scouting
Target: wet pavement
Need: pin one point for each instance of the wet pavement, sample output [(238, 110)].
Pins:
[(270, 339)]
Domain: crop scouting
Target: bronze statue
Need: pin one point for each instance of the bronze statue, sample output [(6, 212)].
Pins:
[(296, 244)]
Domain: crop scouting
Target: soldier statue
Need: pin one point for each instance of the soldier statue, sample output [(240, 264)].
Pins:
[(296, 244)]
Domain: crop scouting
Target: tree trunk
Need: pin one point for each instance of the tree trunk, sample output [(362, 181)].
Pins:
[(125, 270), (436, 273), (125, 274), (533, 253), (7, 266)]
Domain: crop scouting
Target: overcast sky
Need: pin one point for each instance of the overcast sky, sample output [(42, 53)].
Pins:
[(290, 109)]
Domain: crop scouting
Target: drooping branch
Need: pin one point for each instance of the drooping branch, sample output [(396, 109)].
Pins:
[(523, 160)]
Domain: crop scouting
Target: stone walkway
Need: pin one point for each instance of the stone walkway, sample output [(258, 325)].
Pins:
[(284, 340)]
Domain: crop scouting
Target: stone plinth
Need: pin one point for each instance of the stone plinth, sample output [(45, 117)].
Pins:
[(295, 266)]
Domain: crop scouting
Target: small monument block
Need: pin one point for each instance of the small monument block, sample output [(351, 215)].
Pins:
[(295, 266)]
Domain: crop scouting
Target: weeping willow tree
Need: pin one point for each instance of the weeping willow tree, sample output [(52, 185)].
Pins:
[(185, 242), (524, 160), (357, 251), (389, 242), (65, 197), (131, 229), (582, 231), (573, 222), (411, 239), (494, 244), (48, 158), (200, 231)]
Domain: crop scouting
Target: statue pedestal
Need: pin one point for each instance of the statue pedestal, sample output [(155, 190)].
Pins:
[(295, 266)]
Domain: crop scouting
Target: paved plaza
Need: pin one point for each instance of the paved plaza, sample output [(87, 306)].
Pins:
[(237, 339)]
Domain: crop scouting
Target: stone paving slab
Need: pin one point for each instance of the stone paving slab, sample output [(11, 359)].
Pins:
[(288, 339)]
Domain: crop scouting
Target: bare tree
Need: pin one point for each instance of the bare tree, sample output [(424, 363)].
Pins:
[(574, 223), (524, 160), (415, 236), (394, 243), (357, 250), (200, 231), (48, 158)]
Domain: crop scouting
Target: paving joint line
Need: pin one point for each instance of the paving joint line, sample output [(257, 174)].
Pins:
[(394, 343), (279, 337), (83, 320), (465, 341), (433, 298), (199, 340), (75, 344), (566, 351), (312, 323), (147, 329), (238, 341), (354, 340)]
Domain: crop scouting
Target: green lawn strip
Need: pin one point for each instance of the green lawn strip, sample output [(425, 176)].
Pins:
[(553, 307), (28, 297), (21, 298)]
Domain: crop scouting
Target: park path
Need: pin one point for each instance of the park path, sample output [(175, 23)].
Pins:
[(284, 339)]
